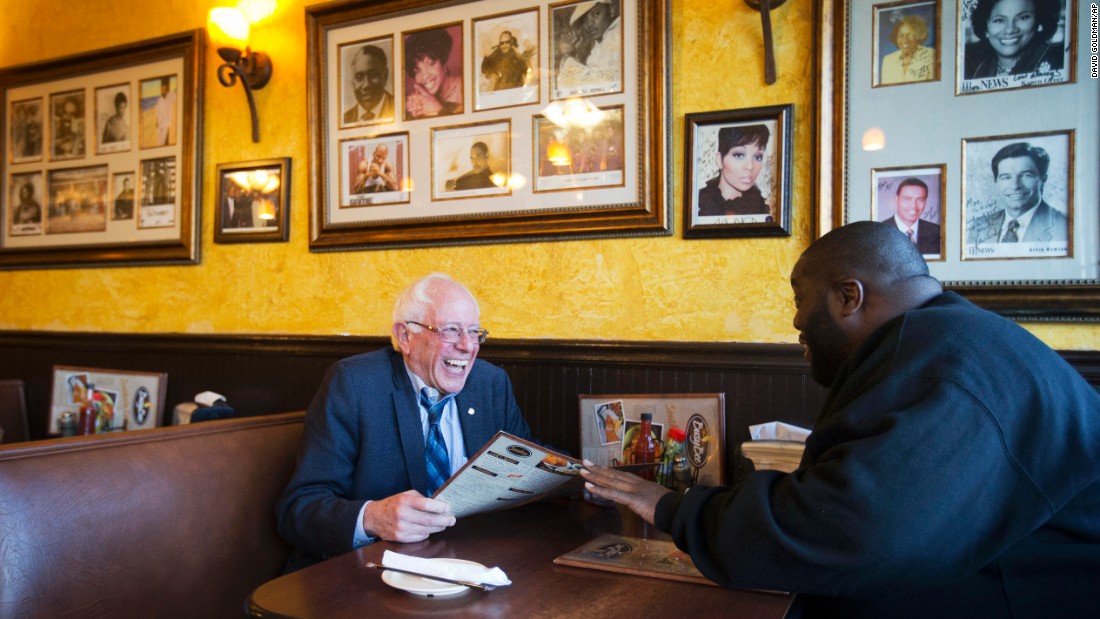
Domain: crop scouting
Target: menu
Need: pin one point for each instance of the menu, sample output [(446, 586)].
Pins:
[(633, 555), (508, 471)]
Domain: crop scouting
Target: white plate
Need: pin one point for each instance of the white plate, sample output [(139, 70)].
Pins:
[(424, 586)]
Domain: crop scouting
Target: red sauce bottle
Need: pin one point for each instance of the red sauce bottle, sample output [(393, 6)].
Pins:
[(645, 447), (88, 412)]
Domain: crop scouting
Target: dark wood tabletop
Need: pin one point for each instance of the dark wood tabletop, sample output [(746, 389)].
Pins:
[(524, 543)]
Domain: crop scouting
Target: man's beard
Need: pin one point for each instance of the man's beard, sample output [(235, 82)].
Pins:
[(827, 346)]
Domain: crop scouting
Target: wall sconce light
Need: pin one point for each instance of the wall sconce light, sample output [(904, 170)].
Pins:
[(874, 139), (765, 7), (229, 33)]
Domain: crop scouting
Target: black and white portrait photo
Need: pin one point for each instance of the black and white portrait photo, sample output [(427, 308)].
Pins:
[(911, 199), (1013, 43), (158, 193), (122, 192), (587, 40), (506, 60), (67, 125), (25, 198), (112, 116), (26, 131), (366, 82), (1016, 196)]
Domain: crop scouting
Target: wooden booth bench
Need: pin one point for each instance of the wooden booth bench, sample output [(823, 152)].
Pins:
[(168, 522)]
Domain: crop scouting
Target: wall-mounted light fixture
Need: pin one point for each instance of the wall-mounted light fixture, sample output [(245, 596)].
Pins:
[(229, 32), (765, 7)]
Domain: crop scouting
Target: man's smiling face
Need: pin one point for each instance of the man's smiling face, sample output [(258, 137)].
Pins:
[(440, 365)]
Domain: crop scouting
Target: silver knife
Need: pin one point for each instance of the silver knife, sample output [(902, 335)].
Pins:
[(475, 585)]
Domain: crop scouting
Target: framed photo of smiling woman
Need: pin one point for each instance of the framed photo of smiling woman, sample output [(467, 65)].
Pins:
[(1007, 44), (738, 172)]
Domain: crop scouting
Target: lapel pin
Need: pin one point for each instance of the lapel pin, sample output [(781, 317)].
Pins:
[(470, 412)]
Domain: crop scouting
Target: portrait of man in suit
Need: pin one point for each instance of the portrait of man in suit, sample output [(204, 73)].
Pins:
[(910, 201), (368, 74), (1023, 215)]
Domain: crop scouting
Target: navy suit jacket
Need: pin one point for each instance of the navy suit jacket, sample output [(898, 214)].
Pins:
[(364, 441), (928, 235)]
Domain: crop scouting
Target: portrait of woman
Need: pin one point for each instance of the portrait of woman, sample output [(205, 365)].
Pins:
[(117, 128), (913, 61), (740, 160), (1017, 39), (433, 79)]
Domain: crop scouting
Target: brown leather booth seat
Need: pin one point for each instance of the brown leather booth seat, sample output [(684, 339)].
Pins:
[(170, 522)]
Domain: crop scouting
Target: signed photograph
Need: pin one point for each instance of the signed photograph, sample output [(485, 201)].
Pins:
[(906, 42), (1017, 199), (912, 200), (433, 72), (366, 82), (471, 160), (1014, 44), (506, 60)]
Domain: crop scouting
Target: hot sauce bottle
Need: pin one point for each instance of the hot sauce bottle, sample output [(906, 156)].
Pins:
[(645, 447), (88, 412)]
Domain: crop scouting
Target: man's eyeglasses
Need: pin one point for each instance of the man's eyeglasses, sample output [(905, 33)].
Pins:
[(452, 334)]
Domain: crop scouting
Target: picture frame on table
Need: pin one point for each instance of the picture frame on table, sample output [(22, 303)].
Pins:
[(911, 198), (253, 202), (609, 424), (737, 171), (78, 122), (958, 130), (633, 200), (129, 400)]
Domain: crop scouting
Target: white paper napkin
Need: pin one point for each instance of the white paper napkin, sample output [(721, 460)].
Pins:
[(454, 571)]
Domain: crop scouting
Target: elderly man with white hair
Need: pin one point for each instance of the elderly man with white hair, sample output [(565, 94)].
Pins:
[(388, 427)]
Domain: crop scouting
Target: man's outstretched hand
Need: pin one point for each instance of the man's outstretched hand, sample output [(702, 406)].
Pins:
[(639, 495)]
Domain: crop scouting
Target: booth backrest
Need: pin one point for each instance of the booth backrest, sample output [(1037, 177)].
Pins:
[(169, 522), (13, 411)]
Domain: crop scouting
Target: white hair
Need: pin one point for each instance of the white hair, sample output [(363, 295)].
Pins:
[(413, 302)]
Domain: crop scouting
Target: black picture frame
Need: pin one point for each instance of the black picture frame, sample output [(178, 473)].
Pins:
[(253, 202), (762, 204)]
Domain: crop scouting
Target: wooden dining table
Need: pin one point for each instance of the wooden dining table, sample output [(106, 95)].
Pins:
[(523, 542)]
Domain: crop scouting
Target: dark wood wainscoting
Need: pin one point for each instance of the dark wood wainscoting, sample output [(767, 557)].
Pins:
[(263, 374)]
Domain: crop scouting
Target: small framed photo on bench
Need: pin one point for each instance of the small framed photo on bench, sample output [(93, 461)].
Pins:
[(124, 399)]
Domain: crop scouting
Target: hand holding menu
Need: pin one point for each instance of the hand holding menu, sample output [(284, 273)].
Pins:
[(508, 471)]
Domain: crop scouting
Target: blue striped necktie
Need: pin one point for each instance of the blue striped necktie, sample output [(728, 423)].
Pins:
[(435, 448)]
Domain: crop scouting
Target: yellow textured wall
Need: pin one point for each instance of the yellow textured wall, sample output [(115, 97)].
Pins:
[(625, 289)]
